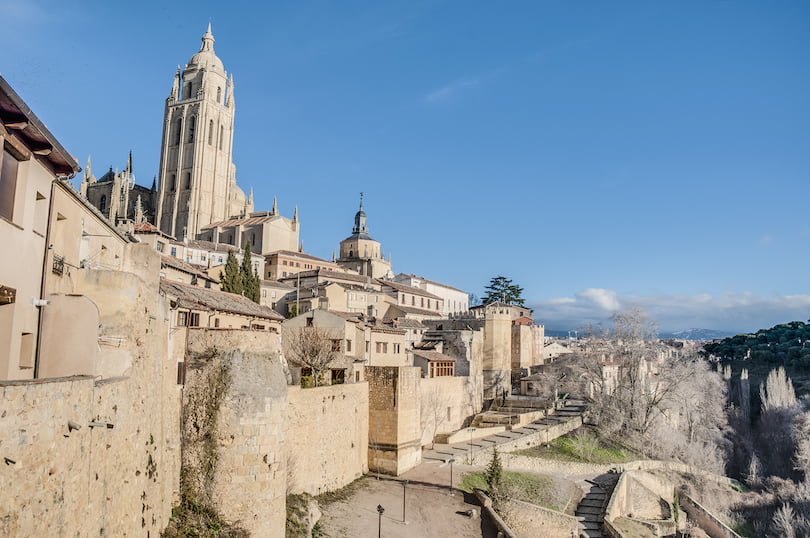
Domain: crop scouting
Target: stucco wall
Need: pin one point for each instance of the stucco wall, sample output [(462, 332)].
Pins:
[(327, 436)]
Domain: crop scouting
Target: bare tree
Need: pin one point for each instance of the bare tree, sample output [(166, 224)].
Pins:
[(777, 392), (311, 347)]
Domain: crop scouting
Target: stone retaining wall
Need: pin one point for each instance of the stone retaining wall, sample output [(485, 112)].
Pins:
[(327, 436)]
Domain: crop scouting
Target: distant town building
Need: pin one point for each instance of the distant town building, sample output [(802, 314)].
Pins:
[(454, 300), (359, 252), (117, 196)]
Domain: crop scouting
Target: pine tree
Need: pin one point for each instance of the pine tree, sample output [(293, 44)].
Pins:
[(231, 279), (503, 290)]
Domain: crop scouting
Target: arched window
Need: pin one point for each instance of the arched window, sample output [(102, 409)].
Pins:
[(210, 132), (178, 131), (102, 204), (188, 90), (173, 183), (221, 135), (219, 95), (188, 180), (351, 254), (192, 124)]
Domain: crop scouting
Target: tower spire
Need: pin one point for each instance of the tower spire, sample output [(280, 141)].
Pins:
[(274, 209), (207, 39), (129, 163), (295, 214)]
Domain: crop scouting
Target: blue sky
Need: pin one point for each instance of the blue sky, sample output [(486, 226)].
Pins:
[(602, 154)]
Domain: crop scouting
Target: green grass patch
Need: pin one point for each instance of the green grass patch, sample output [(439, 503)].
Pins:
[(556, 494), (581, 447)]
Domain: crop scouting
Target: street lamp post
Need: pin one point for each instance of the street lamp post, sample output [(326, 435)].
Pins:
[(404, 487), (380, 511), (451, 461)]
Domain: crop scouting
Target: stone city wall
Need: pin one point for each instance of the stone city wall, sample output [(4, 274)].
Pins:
[(447, 404), (394, 423), (527, 519), (92, 457), (234, 457), (327, 436)]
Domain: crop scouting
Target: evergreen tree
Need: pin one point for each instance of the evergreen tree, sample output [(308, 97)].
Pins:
[(231, 279), (250, 280), (502, 289), (494, 477)]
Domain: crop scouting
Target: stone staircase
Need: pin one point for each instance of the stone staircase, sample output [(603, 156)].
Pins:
[(591, 509)]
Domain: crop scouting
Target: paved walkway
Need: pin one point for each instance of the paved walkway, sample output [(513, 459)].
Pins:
[(429, 511), (464, 451)]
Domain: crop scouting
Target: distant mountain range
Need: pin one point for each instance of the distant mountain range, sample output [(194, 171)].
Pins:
[(688, 334), (697, 334)]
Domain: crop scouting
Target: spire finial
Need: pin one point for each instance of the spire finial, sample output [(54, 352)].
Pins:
[(361, 200), (207, 39), (295, 214), (275, 205), (129, 162)]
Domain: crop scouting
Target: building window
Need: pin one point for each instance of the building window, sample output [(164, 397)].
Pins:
[(182, 319), (413, 300), (174, 252), (178, 131), (8, 184), (219, 95), (221, 136), (348, 345), (192, 125), (396, 348), (210, 132), (58, 266), (216, 323), (188, 90), (335, 345), (102, 204), (188, 180), (195, 320), (173, 182), (160, 247)]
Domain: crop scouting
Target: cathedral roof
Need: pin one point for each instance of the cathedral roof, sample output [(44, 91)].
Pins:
[(206, 57), (244, 221)]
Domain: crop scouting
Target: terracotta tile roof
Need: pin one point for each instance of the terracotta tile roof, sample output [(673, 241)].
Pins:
[(407, 289), (414, 310), (180, 265), (146, 228), (429, 281), (432, 356), (196, 298), (407, 323), (303, 255), (327, 274)]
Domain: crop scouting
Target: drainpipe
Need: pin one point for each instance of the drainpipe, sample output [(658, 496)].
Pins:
[(42, 280)]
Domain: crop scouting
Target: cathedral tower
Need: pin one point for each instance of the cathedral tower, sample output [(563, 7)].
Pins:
[(360, 252), (197, 183)]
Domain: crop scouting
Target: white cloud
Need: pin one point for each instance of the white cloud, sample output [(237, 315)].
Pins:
[(445, 93), (735, 312)]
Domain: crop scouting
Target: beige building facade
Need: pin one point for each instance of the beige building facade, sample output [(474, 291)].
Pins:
[(30, 162), (454, 300)]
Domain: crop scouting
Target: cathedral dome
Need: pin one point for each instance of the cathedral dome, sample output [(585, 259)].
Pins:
[(206, 58)]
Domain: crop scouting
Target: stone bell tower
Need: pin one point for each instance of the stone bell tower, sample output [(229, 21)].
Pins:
[(197, 184)]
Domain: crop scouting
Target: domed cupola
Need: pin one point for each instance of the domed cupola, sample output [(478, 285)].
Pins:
[(206, 58)]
